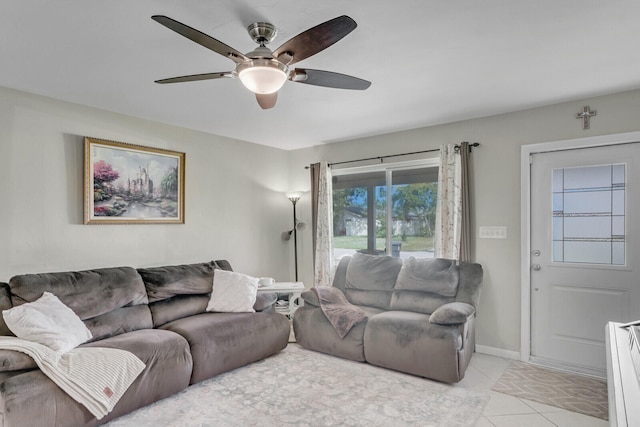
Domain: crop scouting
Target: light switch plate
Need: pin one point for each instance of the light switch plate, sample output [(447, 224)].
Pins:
[(497, 232)]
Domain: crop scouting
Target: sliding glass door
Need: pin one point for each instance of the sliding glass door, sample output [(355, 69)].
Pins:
[(389, 210)]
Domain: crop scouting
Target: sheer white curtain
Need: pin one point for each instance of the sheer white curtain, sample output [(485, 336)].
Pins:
[(449, 205), (322, 205)]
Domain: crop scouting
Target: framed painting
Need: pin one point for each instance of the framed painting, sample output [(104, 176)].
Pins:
[(132, 184)]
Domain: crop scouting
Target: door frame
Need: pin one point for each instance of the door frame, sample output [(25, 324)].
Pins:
[(525, 216)]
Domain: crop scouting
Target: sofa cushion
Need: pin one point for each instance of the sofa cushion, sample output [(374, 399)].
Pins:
[(14, 361), (370, 279), (49, 322), (434, 275), (180, 290), (314, 331), (223, 264), (425, 284), (32, 399), (407, 342), (221, 342), (418, 302), (88, 293), (181, 306), (166, 282), (119, 321), (177, 307), (168, 361), (372, 273), (92, 294)]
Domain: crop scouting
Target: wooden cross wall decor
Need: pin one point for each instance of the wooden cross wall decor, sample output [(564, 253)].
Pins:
[(586, 116)]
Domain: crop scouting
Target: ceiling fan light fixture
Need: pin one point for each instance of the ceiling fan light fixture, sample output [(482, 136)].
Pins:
[(263, 76), (264, 71)]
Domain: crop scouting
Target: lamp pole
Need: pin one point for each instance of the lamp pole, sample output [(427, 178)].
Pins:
[(295, 237), (294, 197)]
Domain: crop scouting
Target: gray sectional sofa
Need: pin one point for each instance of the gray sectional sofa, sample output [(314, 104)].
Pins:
[(420, 315), (158, 314)]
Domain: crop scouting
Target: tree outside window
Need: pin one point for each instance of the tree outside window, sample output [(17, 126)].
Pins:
[(361, 220)]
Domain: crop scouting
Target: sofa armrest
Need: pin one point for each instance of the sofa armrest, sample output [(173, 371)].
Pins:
[(310, 298), (265, 301), (452, 313), (14, 361)]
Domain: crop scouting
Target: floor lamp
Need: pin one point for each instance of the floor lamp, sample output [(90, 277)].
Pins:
[(297, 225)]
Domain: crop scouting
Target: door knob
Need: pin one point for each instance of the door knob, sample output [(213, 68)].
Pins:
[(535, 252), (536, 267)]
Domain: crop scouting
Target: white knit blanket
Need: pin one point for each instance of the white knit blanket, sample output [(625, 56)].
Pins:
[(95, 377)]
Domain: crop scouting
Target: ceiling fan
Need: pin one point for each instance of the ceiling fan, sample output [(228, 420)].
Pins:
[(263, 71)]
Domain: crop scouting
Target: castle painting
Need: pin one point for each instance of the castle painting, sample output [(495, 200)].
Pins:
[(127, 183)]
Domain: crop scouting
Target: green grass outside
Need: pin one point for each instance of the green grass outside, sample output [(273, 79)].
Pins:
[(412, 243)]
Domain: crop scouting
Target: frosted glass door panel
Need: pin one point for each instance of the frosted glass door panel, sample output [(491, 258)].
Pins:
[(594, 227), (594, 201), (589, 214), (587, 177), (587, 252)]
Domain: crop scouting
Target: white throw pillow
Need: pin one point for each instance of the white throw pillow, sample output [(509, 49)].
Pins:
[(233, 292), (49, 322)]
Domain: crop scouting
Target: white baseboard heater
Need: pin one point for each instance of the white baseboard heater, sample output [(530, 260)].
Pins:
[(623, 374)]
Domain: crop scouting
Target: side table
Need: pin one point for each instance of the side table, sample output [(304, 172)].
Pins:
[(294, 289)]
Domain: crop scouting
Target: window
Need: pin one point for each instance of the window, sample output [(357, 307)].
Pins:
[(367, 220), (589, 214)]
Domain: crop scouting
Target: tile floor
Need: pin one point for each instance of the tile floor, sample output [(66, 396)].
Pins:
[(504, 410)]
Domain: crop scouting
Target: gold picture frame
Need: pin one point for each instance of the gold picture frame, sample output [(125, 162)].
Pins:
[(132, 184)]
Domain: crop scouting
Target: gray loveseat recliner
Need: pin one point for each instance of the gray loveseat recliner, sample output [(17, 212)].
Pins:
[(421, 315), (158, 314)]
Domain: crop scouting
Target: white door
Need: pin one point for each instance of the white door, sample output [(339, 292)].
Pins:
[(584, 252)]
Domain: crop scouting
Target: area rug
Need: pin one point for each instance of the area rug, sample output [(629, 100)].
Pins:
[(577, 393), (298, 387)]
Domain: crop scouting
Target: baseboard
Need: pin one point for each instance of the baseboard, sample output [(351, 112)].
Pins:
[(499, 352)]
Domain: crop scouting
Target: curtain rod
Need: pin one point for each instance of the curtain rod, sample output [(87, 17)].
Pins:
[(381, 158)]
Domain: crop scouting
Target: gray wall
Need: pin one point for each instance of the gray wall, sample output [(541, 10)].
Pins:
[(495, 187), (235, 207)]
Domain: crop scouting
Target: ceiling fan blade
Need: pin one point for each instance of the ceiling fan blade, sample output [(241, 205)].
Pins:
[(201, 38), (315, 39), (328, 79), (268, 100), (196, 77)]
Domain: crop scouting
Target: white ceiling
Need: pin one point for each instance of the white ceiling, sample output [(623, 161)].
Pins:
[(429, 61)]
